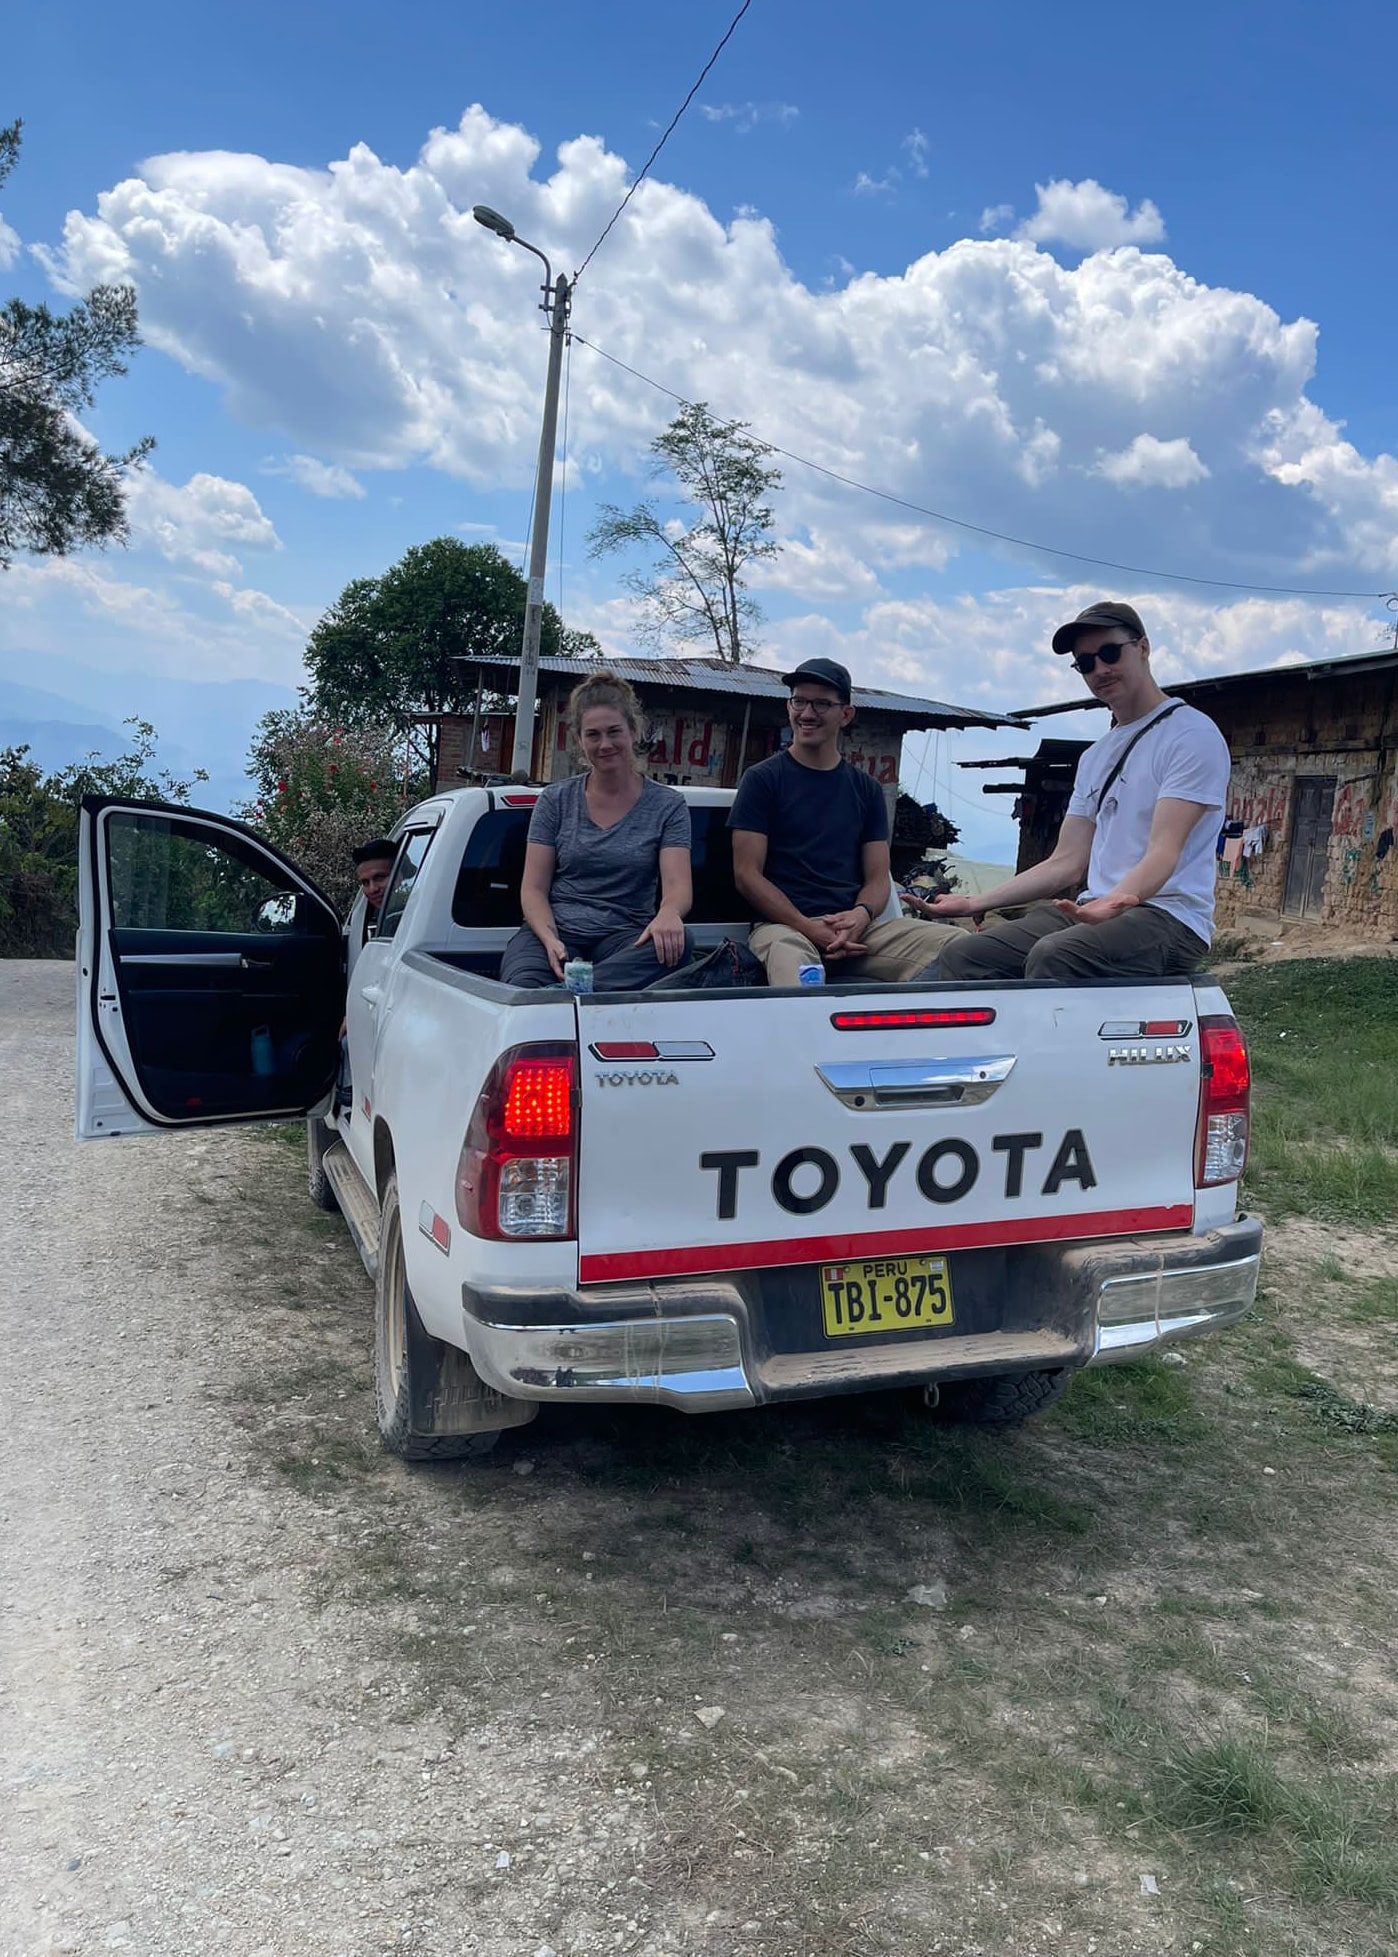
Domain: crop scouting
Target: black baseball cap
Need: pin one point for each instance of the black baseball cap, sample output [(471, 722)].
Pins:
[(1097, 618), (828, 671)]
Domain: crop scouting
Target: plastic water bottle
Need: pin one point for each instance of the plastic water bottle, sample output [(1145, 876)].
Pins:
[(811, 975), (577, 975), (264, 1055)]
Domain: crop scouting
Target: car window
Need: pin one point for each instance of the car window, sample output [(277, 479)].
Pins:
[(167, 874), (487, 885), (411, 854)]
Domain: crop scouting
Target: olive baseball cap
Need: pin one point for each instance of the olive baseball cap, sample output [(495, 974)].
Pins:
[(829, 672), (1098, 618)]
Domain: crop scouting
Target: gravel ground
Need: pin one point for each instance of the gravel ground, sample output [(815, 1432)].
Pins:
[(196, 1752)]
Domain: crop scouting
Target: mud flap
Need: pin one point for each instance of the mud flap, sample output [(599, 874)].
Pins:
[(446, 1395)]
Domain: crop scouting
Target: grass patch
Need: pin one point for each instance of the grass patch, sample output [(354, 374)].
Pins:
[(1323, 1036), (1376, 1304), (1148, 1402)]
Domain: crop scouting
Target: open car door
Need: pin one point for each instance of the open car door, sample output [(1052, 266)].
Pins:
[(210, 974)]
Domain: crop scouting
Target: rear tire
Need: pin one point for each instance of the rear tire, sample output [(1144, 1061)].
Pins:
[(410, 1366), (1003, 1399), (319, 1138)]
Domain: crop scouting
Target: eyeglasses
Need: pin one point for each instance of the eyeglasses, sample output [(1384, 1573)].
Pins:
[(1108, 654), (798, 703)]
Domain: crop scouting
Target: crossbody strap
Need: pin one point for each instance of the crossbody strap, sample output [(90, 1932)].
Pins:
[(1125, 754)]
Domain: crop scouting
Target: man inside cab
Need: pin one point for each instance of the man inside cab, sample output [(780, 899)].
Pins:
[(810, 850), (1136, 847), (373, 865)]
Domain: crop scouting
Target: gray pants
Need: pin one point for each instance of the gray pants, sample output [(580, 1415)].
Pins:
[(619, 964), (1145, 942)]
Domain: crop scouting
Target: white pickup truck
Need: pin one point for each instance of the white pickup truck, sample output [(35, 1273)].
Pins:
[(707, 1198)]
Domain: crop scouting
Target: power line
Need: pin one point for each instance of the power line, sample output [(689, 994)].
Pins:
[(674, 122), (979, 529)]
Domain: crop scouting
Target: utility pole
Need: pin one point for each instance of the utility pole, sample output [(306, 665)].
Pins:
[(555, 307)]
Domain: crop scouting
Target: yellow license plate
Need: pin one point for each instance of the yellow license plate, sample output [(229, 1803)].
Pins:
[(886, 1294)]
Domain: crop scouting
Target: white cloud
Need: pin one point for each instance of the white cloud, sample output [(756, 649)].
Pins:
[(9, 245), (1152, 464), (745, 116), (117, 623), (359, 312), (996, 216), (867, 186), (915, 147), (320, 478), (1088, 217), (191, 524)]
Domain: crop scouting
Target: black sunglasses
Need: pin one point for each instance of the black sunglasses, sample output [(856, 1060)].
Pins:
[(1108, 654)]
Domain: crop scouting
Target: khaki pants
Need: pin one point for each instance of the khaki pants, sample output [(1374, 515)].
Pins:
[(899, 951), (1144, 942)]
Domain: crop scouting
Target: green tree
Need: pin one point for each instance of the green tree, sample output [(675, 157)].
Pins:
[(39, 836), (694, 588), (322, 789), (58, 490), (387, 651)]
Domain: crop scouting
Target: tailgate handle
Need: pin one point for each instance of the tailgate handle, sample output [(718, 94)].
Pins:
[(958, 1083)]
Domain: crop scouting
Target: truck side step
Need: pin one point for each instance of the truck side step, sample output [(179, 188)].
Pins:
[(358, 1204)]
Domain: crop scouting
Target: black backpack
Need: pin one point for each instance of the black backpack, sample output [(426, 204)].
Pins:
[(728, 964)]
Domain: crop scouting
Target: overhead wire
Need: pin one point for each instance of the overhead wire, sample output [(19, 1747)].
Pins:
[(670, 130), (980, 529)]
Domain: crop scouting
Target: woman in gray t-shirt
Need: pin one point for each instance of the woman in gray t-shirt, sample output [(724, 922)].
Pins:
[(599, 844)]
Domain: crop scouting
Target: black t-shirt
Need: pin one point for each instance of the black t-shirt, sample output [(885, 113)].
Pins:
[(816, 821)]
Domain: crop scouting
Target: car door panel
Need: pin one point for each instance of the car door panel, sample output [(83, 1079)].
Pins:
[(213, 972)]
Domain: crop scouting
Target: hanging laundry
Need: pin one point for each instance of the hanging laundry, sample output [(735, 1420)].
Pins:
[(1385, 845), (1233, 854), (1255, 839)]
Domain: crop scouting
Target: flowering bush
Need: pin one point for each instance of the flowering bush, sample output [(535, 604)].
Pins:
[(322, 790)]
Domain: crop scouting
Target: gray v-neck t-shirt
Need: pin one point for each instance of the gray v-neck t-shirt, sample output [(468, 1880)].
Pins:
[(606, 879)]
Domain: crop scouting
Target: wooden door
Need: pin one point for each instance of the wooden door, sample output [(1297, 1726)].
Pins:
[(1310, 845)]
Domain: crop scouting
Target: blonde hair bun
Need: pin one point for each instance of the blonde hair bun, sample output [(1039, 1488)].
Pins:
[(604, 689)]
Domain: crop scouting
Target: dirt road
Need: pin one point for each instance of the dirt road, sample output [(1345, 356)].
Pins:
[(824, 1682), (202, 1748)]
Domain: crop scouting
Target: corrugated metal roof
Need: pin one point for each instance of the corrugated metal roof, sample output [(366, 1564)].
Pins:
[(754, 682), (1313, 669)]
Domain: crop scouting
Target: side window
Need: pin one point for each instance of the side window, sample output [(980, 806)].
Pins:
[(167, 874), (411, 855), (716, 900), (487, 885)]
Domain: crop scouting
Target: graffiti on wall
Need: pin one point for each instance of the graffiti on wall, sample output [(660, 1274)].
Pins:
[(1266, 805)]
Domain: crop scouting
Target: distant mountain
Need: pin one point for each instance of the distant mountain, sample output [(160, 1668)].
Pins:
[(53, 744), (199, 723)]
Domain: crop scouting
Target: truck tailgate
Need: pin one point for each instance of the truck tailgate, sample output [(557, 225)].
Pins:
[(723, 1133)]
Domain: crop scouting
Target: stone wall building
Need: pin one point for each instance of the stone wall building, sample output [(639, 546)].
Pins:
[(1313, 799)]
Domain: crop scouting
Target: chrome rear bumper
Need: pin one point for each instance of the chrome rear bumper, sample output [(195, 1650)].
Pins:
[(692, 1342)]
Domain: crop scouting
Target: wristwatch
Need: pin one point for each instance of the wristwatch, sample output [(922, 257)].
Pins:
[(860, 905)]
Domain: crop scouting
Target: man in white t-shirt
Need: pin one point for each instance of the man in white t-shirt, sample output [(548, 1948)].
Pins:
[(1137, 844)]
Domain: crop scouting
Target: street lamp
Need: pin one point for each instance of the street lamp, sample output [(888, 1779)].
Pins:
[(555, 310)]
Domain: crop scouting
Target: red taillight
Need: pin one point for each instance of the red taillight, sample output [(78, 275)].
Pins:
[(1221, 1140), (538, 1102), (864, 1022), (515, 1177)]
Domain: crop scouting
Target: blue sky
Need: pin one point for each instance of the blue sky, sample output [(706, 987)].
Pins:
[(1112, 280)]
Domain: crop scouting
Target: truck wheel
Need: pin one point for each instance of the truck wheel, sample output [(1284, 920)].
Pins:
[(411, 1368), (1003, 1399), (318, 1139)]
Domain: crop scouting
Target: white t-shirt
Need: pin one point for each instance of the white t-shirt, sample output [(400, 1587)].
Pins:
[(1187, 760)]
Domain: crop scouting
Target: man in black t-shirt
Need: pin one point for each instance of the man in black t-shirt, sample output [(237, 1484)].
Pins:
[(810, 850)]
